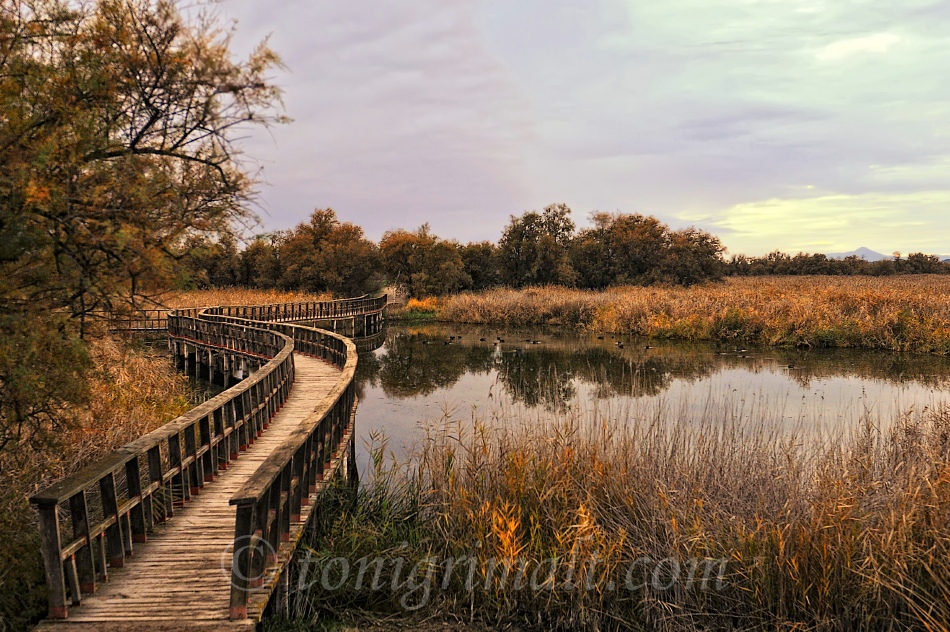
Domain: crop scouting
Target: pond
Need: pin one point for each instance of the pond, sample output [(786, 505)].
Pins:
[(422, 375)]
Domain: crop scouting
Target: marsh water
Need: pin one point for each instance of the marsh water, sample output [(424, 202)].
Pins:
[(422, 375)]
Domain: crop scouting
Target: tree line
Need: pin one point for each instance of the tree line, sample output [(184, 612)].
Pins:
[(536, 248), (780, 263)]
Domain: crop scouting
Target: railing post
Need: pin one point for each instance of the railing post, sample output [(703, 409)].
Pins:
[(247, 419), (191, 450), (78, 511), (300, 491), (155, 474), (220, 450), (137, 519), (73, 576), (287, 501), (110, 509), (273, 522), (179, 480), (241, 417), (262, 550), (241, 561), (207, 459), (53, 563)]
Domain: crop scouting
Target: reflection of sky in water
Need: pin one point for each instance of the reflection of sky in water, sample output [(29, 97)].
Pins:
[(830, 394)]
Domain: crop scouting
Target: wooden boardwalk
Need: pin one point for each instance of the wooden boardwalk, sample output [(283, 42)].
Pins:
[(180, 579)]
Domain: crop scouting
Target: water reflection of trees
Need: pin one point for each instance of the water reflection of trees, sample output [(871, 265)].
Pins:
[(537, 377), (927, 370), (413, 363), (419, 364)]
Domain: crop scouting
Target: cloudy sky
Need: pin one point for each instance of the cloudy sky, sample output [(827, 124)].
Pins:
[(815, 125)]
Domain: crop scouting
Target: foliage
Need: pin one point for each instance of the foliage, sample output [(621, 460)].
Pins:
[(129, 391), (260, 264), (481, 265), (325, 255), (42, 364), (117, 122), (779, 263), (422, 263), (621, 249), (117, 145), (533, 249), (208, 263), (415, 309)]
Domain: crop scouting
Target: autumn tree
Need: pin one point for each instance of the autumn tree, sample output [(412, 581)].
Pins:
[(533, 249), (260, 263), (693, 256), (440, 271), (209, 262), (325, 255), (401, 253), (635, 249), (481, 264), (118, 121), (421, 263)]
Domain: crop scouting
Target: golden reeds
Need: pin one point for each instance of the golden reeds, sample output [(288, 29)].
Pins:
[(236, 296), (907, 313), (657, 520)]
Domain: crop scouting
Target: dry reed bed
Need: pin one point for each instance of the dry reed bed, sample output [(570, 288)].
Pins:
[(236, 296), (816, 534), (909, 313)]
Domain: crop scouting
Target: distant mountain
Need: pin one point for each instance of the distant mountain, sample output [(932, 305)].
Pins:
[(870, 255), (862, 252)]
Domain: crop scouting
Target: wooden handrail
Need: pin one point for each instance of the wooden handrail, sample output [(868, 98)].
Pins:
[(156, 319), (311, 310), (141, 483), (271, 499)]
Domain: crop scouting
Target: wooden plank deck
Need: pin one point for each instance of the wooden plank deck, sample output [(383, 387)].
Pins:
[(181, 578)]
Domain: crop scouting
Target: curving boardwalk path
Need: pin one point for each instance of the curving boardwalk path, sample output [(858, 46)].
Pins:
[(180, 578)]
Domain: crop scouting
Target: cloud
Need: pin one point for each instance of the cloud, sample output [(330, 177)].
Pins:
[(879, 43), (462, 112), (401, 117)]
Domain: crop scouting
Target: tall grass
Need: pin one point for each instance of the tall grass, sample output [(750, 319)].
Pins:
[(236, 296), (415, 310), (133, 390), (812, 531), (908, 313)]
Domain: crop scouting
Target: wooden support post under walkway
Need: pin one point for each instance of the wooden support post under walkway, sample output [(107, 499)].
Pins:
[(181, 578)]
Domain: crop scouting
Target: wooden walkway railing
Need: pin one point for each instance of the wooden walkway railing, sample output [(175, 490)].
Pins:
[(139, 321), (91, 521), (155, 320)]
